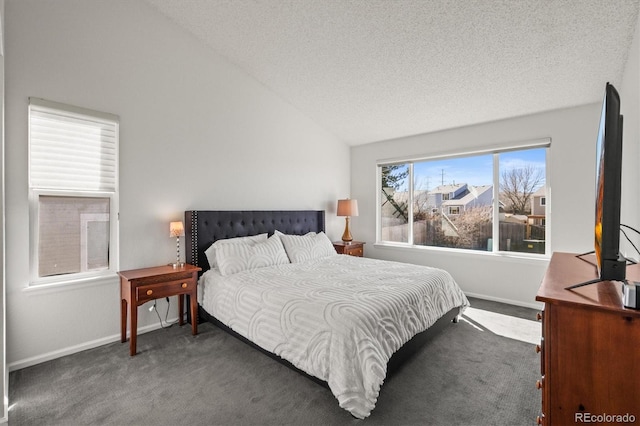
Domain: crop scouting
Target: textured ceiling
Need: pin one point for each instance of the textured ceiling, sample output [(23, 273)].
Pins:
[(370, 70)]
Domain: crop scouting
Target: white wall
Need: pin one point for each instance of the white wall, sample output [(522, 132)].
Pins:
[(629, 92), (572, 175), (196, 133)]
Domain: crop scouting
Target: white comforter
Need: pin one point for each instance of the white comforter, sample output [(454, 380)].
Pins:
[(339, 318)]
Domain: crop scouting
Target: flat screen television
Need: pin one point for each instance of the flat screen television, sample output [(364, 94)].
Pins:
[(611, 266)]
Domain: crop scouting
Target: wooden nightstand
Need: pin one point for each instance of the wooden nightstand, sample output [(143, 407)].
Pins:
[(138, 286), (354, 248)]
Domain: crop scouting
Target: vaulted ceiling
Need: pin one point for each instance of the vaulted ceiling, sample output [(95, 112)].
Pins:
[(370, 70)]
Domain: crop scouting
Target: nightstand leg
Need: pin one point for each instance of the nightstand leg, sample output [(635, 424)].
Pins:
[(123, 321), (194, 314), (180, 309), (134, 328)]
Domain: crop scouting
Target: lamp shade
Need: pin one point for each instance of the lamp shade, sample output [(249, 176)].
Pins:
[(347, 207), (176, 229)]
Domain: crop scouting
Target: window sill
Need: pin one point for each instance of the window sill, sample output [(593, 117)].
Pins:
[(72, 284), (516, 256)]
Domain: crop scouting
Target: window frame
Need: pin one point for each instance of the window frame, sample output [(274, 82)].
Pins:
[(34, 194), (495, 151), (452, 208)]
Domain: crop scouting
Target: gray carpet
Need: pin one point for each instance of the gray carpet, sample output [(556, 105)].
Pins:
[(465, 376)]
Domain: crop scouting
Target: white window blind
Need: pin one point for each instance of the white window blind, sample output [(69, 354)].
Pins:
[(73, 193), (71, 148)]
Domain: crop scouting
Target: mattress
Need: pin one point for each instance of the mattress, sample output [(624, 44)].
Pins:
[(339, 318)]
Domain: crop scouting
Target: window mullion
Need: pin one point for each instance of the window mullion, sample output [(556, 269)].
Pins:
[(496, 204), (410, 206)]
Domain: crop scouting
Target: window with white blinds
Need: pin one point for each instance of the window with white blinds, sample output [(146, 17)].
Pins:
[(73, 192)]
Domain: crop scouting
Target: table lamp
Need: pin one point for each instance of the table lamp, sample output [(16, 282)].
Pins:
[(347, 208)]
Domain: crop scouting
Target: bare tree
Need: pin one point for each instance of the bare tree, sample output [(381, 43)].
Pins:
[(517, 186)]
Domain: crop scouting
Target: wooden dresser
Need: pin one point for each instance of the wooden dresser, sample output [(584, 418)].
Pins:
[(590, 348)]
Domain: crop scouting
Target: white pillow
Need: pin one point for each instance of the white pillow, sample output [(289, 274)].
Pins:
[(305, 247), (234, 258), (211, 251), (308, 234)]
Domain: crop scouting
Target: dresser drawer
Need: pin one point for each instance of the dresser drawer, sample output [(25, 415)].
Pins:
[(540, 384), (165, 289), (541, 347)]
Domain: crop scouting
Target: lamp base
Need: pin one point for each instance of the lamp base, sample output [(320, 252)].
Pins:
[(346, 237)]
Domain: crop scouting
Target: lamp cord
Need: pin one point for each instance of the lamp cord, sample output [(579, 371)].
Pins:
[(629, 227), (622, 225), (169, 324)]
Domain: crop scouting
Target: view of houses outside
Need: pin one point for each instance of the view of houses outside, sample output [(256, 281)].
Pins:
[(452, 202)]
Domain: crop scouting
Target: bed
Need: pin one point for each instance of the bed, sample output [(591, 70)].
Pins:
[(342, 321)]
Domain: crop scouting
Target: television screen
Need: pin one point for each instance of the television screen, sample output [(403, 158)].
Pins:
[(611, 266)]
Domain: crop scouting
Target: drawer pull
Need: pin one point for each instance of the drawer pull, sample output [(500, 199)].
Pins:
[(539, 420), (149, 292), (539, 316), (538, 349), (184, 285), (538, 384)]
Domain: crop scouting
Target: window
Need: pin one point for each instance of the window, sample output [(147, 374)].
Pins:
[(543, 201), (466, 202), (73, 192)]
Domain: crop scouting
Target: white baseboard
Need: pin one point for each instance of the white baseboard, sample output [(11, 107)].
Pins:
[(533, 305), (28, 362)]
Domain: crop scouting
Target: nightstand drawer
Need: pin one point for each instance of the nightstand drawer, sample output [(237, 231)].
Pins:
[(169, 288), (355, 251)]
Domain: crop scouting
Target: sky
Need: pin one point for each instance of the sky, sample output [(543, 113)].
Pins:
[(475, 170)]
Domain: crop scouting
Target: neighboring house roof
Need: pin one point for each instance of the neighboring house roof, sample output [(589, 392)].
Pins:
[(540, 192), (464, 195), (472, 193), (448, 189)]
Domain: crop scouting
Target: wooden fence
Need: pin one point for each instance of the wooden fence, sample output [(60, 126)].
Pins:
[(518, 237)]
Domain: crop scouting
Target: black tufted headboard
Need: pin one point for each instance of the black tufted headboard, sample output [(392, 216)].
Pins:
[(203, 227)]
